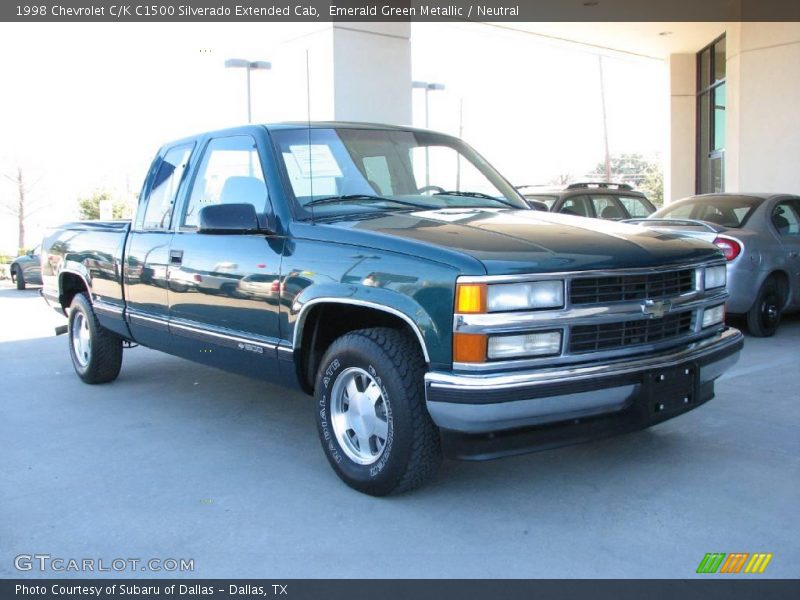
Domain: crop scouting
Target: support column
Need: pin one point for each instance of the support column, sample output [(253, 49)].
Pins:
[(358, 72), (679, 176)]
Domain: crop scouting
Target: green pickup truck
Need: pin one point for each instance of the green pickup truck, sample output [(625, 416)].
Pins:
[(394, 275)]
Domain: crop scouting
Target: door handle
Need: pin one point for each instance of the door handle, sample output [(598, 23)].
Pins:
[(175, 257)]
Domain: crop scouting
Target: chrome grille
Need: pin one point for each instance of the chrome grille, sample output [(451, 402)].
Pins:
[(611, 336), (621, 288)]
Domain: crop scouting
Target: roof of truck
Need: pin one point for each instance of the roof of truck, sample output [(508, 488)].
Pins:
[(294, 125)]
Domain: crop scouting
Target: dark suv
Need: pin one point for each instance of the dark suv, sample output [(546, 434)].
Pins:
[(614, 201)]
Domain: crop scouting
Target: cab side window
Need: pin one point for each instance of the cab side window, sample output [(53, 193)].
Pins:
[(606, 207), (230, 173), (164, 188), (786, 218), (576, 205), (635, 206)]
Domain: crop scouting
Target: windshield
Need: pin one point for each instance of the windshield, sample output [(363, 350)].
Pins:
[(347, 170), (721, 210)]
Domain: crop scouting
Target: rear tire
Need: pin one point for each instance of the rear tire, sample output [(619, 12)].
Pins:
[(18, 278), (373, 424), (96, 352), (765, 314)]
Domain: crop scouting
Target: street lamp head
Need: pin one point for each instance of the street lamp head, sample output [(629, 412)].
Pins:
[(237, 62), (425, 85), (260, 64)]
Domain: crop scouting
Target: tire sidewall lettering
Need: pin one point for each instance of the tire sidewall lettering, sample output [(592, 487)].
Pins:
[(330, 442), (377, 467)]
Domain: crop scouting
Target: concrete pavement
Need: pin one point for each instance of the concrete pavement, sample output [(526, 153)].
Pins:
[(177, 460)]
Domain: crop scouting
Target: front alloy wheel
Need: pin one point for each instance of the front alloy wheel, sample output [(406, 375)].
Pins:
[(373, 424), (359, 416)]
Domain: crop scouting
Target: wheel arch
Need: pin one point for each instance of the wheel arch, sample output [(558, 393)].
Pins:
[(313, 333), (71, 283)]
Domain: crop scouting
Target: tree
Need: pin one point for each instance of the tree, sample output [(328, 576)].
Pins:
[(561, 179), (90, 207), (20, 207), (636, 170)]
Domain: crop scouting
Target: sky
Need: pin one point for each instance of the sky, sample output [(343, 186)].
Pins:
[(85, 106)]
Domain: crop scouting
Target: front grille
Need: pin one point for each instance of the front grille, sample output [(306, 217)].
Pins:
[(621, 288), (611, 336)]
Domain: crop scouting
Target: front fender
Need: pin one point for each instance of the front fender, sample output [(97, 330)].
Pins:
[(400, 305)]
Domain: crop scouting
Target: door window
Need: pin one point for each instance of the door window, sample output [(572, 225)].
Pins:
[(635, 206), (606, 207), (164, 188), (576, 205), (230, 173)]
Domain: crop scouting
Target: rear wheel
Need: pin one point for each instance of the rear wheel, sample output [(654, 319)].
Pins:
[(765, 314), (371, 415), (96, 352), (18, 278)]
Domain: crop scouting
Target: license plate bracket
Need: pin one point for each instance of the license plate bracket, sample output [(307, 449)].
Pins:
[(671, 389)]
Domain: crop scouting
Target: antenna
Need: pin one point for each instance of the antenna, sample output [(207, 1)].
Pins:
[(308, 121)]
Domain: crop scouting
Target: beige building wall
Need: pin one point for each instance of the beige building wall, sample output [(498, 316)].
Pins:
[(762, 129)]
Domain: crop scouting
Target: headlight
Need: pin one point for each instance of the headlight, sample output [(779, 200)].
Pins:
[(525, 296), (716, 277), (713, 315), (531, 344)]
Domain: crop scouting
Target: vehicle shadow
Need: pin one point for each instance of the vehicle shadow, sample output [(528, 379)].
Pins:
[(256, 416)]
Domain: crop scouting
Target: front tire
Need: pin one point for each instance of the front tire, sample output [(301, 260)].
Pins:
[(765, 314), (18, 278), (96, 352), (371, 415)]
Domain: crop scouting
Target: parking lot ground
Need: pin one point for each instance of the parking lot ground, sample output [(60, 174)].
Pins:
[(177, 460)]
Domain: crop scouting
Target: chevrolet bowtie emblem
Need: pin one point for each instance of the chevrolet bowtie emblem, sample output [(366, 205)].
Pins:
[(655, 309)]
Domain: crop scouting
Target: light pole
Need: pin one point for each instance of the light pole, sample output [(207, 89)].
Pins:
[(248, 65), (428, 87)]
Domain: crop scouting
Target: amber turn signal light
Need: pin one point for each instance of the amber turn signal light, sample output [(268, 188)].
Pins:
[(471, 298), (469, 347)]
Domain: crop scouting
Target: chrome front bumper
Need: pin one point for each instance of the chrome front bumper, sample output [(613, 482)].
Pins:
[(481, 403)]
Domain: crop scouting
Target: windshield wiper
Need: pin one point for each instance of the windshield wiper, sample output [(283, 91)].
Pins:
[(368, 197), (476, 195)]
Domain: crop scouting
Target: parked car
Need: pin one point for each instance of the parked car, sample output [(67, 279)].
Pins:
[(25, 269), (759, 234), (423, 304), (613, 201)]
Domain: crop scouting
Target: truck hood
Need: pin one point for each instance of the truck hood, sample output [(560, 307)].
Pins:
[(523, 241)]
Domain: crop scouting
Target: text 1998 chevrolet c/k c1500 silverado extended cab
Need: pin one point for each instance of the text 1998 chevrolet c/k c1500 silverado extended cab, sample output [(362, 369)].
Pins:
[(397, 277)]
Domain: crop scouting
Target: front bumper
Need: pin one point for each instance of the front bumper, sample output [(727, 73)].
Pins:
[(558, 406)]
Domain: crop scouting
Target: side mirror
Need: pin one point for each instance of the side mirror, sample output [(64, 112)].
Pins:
[(228, 219)]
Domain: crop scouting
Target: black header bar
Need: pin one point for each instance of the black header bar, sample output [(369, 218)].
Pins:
[(397, 10), (397, 589)]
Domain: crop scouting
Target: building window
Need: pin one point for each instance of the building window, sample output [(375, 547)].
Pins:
[(711, 105)]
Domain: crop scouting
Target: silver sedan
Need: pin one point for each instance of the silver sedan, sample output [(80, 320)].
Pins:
[(759, 234)]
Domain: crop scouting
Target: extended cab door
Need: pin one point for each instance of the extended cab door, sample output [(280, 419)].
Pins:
[(147, 249), (224, 289)]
